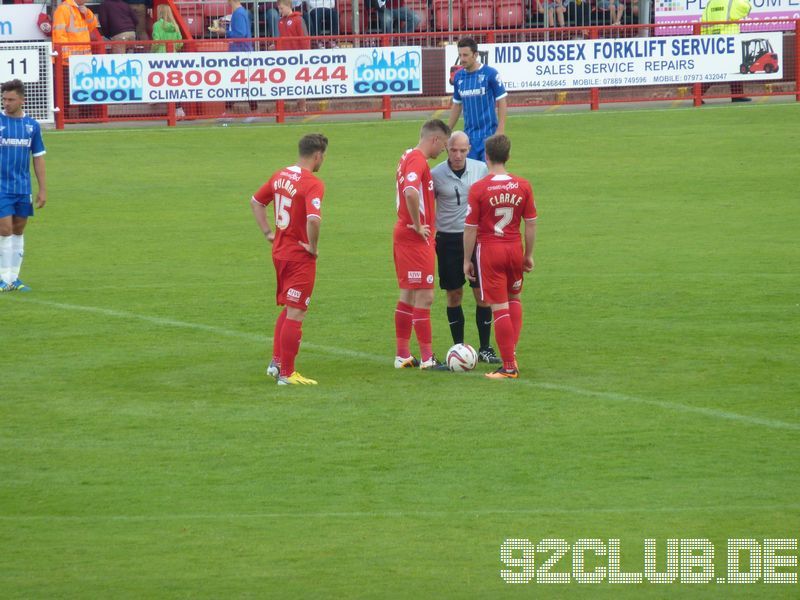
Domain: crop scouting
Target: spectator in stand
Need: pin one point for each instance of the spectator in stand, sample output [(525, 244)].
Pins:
[(555, 11), (395, 17), (238, 28), (166, 29), (118, 23), (73, 24), (139, 8), (614, 8), (725, 10), (292, 34), (322, 14)]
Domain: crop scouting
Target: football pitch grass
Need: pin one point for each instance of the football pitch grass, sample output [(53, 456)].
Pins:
[(144, 453)]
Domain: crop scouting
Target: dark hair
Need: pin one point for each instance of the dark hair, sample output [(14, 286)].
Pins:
[(311, 143), (468, 42), (498, 148), (15, 85), (434, 126)]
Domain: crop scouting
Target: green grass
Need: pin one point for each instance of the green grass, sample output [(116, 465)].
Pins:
[(143, 453)]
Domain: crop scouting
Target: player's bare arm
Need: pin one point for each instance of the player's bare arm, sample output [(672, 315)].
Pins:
[(312, 230), (470, 235), (39, 170), (455, 113), (530, 241), (502, 110), (412, 202), (260, 215)]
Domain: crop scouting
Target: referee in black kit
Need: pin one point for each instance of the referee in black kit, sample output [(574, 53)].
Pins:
[(451, 181)]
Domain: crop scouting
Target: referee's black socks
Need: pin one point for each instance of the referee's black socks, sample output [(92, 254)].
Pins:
[(483, 319), (455, 318)]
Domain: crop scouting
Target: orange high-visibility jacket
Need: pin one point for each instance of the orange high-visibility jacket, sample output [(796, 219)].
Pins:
[(70, 26)]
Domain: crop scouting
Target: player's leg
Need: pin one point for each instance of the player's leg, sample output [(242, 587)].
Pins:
[(425, 266), (297, 281), (18, 223), (274, 368), (6, 230), (404, 310), (515, 309), (494, 286)]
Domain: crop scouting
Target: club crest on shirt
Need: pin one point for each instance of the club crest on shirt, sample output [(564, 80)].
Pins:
[(29, 129)]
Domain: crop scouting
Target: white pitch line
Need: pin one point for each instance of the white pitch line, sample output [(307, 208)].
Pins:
[(394, 514), (262, 339)]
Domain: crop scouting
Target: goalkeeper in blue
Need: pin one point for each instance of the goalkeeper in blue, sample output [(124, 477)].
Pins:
[(20, 139)]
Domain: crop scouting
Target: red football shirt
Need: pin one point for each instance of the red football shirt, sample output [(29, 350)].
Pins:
[(414, 172), (297, 194), (291, 34), (497, 204)]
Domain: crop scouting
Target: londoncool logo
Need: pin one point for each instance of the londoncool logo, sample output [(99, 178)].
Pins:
[(107, 80), (388, 71)]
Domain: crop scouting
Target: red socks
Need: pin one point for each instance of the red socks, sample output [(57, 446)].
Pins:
[(402, 327), (515, 308), (421, 319), (276, 337), (504, 334), (291, 332)]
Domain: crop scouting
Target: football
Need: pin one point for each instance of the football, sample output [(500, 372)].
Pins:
[(462, 357)]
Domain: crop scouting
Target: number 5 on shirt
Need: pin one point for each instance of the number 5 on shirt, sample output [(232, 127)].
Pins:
[(282, 206)]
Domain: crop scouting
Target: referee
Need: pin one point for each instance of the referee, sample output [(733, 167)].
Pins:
[(451, 182)]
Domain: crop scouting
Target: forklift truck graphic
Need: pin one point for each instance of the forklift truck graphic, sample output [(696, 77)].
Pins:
[(758, 57)]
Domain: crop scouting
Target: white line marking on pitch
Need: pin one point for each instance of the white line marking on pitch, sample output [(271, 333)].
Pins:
[(393, 514), (612, 396)]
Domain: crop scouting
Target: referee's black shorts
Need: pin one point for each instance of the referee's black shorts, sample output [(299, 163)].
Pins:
[(450, 259)]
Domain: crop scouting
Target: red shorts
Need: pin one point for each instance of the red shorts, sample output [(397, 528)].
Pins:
[(499, 271), (415, 264), (295, 282)]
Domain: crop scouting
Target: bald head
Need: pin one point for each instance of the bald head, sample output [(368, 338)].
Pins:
[(457, 150)]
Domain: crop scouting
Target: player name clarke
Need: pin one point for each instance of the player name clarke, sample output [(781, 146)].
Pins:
[(694, 560)]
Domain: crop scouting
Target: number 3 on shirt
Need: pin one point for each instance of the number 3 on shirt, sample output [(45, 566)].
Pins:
[(282, 206), (505, 215)]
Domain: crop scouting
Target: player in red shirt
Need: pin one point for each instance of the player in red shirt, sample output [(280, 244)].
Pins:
[(415, 247), (497, 204), (297, 197)]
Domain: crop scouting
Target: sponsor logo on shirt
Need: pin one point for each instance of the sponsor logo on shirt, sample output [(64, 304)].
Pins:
[(473, 92), (14, 142)]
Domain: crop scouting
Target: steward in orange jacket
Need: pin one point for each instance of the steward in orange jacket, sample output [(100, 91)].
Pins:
[(73, 22)]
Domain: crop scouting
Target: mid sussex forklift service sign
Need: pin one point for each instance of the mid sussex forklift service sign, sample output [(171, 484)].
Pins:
[(631, 61)]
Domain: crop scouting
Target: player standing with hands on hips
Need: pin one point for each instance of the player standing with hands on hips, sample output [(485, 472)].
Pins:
[(479, 92), (414, 247), (296, 194), (20, 138), (497, 204)]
